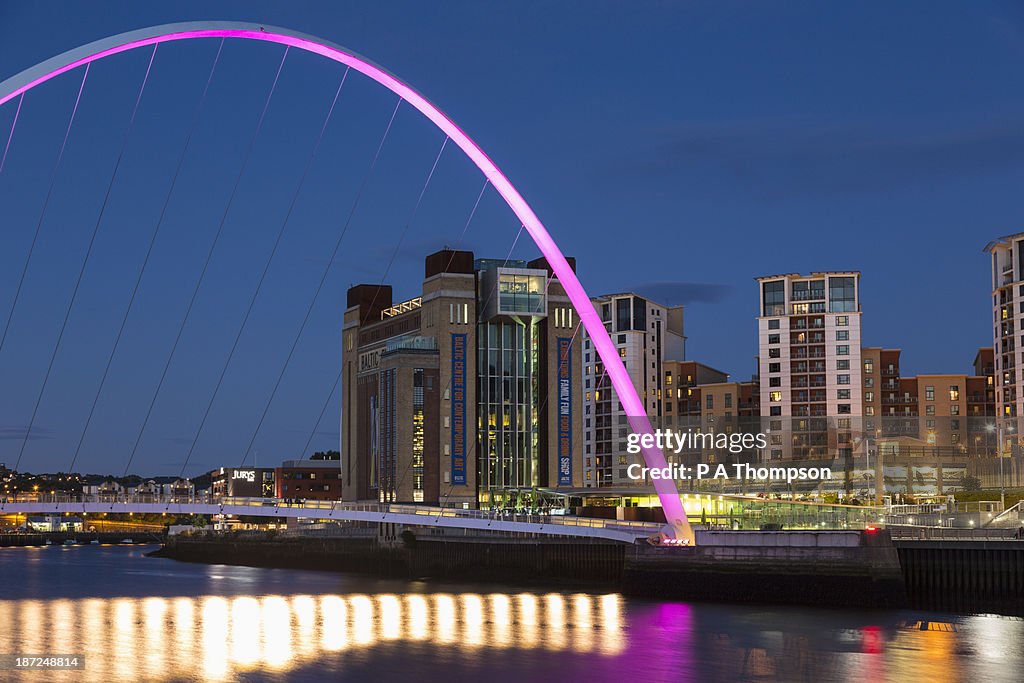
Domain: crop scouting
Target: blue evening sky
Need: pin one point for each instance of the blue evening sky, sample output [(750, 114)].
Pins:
[(676, 148)]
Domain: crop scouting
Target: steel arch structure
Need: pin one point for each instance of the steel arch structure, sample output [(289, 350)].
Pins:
[(627, 394)]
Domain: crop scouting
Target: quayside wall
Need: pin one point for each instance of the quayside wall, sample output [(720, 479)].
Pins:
[(820, 568)]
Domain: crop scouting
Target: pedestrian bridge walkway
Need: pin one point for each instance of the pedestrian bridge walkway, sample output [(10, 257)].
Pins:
[(410, 515)]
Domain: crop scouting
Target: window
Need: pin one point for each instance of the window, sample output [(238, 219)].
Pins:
[(842, 295), (843, 350), (869, 381), (869, 366), (842, 320), (869, 396), (728, 400), (774, 353), (843, 408), (775, 411), (843, 364), (774, 396), (622, 352), (954, 409), (842, 335), (843, 394), (775, 367), (773, 324), (869, 410), (954, 393), (775, 381), (775, 425), (773, 339), (929, 410), (929, 393), (774, 296), (842, 379), (709, 401)]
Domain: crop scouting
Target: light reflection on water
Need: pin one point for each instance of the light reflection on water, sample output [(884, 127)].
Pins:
[(154, 639), (131, 621)]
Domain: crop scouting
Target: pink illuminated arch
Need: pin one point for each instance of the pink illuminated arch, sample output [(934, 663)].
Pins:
[(620, 379)]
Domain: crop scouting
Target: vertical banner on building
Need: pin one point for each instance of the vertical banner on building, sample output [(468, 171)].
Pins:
[(459, 409), (564, 345)]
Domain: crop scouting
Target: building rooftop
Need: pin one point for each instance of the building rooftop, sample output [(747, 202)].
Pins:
[(1002, 241), (798, 276), (310, 464)]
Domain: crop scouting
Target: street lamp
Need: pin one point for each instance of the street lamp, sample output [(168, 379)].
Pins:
[(999, 454)]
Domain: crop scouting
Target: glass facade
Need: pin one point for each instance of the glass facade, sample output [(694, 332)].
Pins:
[(507, 411), (521, 293), (774, 295), (842, 295)]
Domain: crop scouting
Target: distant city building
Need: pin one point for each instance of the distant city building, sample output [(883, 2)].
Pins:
[(466, 395), (646, 334), (47, 523), (809, 344), (308, 479), (242, 482)]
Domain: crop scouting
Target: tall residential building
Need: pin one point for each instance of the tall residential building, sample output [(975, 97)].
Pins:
[(1007, 255), (466, 395), (646, 334), (809, 332)]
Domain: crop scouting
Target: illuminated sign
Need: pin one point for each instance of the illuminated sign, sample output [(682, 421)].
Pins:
[(458, 409), (564, 346), (370, 360), (247, 475)]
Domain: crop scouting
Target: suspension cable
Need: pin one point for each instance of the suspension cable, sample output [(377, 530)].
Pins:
[(323, 277), (206, 264), (149, 252), (88, 254), (42, 214), (266, 268), (10, 136)]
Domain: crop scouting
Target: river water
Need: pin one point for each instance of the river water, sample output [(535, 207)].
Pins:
[(136, 618)]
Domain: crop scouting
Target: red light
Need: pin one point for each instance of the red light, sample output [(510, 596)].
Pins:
[(871, 529)]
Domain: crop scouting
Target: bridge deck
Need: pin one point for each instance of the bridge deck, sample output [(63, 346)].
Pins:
[(411, 515)]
